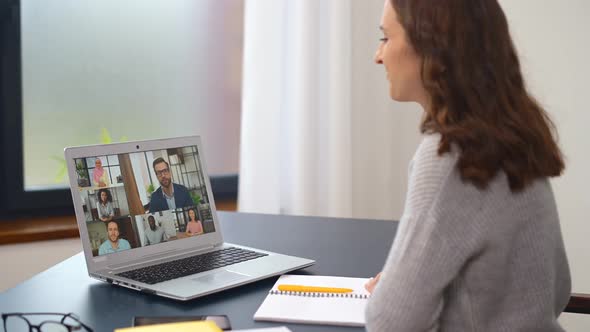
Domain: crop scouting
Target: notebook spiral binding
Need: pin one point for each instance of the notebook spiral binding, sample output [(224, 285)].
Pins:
[(308, 294)]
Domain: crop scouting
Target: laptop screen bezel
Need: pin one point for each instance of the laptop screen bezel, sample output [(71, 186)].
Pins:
[(145, 253)]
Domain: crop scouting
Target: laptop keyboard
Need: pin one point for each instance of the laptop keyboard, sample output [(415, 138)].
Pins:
[(186, 266)]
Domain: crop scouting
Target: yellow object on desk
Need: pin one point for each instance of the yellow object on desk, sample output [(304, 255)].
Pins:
[(197, 326), (312, 289)]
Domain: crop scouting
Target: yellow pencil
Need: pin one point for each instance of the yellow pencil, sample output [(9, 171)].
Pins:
[(313, 289)]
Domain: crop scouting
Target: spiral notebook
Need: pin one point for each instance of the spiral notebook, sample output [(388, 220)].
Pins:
[(345, 309)]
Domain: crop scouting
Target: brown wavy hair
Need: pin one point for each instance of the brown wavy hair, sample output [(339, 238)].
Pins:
[(478, 98)]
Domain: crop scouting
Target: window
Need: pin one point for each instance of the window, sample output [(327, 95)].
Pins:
[(99, 71)]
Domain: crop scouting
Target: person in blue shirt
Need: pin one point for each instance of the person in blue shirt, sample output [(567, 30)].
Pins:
[(114, 243), (170, 195)]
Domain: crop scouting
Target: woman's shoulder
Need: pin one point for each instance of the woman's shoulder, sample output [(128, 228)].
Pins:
[(428, 152), (428, 173), (428, 166)]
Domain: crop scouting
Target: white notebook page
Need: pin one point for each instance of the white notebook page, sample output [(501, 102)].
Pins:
[(311, 309)]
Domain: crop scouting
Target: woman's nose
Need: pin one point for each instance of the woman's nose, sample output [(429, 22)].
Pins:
[(377, 57)]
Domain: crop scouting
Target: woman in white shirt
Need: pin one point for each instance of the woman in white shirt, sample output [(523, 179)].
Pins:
[(105, 205)]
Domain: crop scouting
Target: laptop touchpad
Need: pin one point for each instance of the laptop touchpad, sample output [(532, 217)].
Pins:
[(221, 277)]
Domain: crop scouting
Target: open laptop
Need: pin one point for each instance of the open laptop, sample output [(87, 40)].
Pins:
[(148, 222)]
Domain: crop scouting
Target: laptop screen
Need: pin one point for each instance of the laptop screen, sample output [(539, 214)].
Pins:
[(140, 199)]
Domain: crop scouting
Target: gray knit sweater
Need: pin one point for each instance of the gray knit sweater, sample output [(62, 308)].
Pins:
[(466, 259)]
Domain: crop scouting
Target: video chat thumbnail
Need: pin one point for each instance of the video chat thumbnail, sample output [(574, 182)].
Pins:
[(140, 199)]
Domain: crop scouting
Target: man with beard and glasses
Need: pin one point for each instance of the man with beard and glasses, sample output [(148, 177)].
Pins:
[(153, 234), (170, 195)]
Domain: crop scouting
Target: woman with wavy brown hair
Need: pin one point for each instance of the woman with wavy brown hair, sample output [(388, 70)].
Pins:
[(479, 246)]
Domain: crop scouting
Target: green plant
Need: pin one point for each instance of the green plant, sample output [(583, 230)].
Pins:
[(150, 189), (105, 137), (81, 170), (62, 169), (196, 198)]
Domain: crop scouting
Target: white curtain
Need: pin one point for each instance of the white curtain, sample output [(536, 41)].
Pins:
[(318, 132)]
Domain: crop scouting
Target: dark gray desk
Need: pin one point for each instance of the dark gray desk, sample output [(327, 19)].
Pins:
[(341, 247)]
